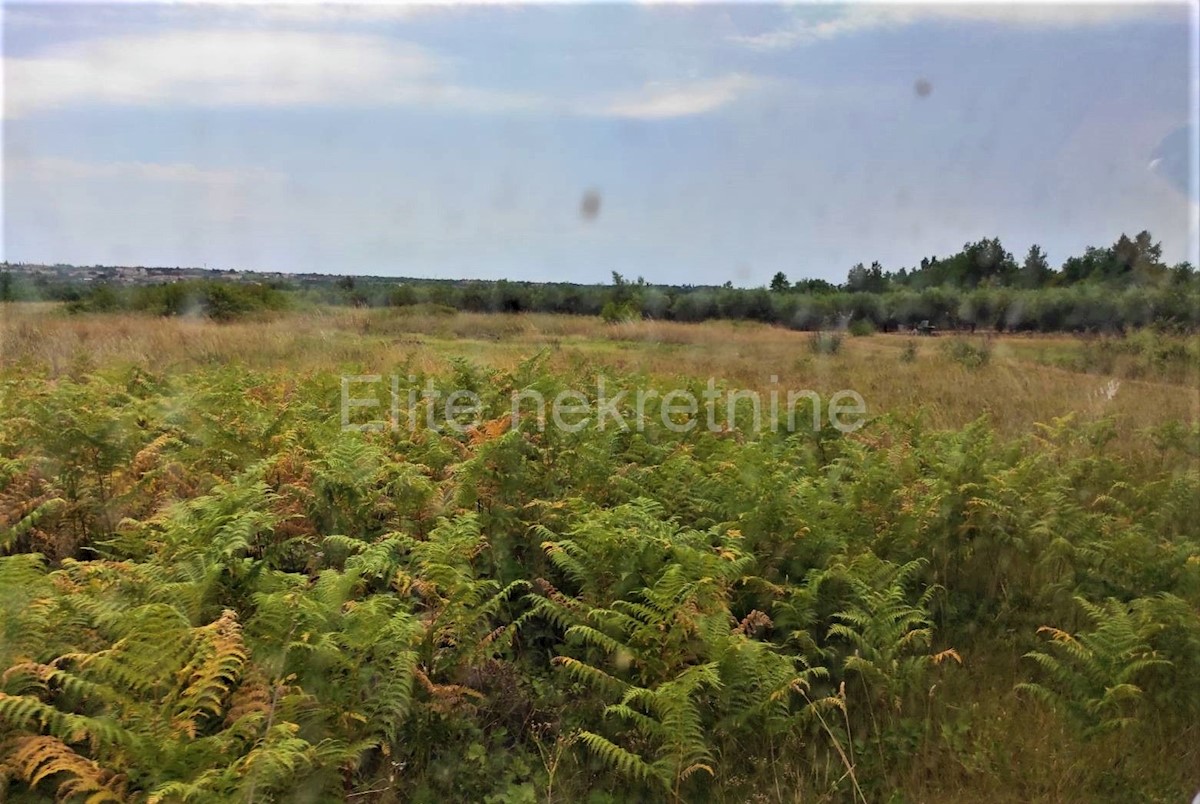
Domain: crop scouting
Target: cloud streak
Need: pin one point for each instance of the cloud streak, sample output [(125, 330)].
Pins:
[(665, 100), (280, 69), (816, 23), (211, 67)]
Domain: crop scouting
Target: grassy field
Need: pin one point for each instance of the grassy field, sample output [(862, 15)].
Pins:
[(210, 591), (1028, 378)]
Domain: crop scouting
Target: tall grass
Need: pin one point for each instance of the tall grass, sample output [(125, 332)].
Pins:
[(1021, 385)]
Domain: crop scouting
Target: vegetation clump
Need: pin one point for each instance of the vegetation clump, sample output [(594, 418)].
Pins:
[(212, 591), (861, 327), (220, 301), (969, 352), (825, 342)]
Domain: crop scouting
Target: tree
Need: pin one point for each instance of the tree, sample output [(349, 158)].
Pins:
[(1140, 259), (987, 262), (1082, 268), (622, 292), (779, 283), (813, 286), (1137, 259), (1035, 271), (866, 280), (1182, 273)]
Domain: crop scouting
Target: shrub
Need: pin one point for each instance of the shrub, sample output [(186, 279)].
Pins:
[(402, 296), (221, 301), (967, 352), (825, 342), (861, 326), (619, 312), (427, 308)]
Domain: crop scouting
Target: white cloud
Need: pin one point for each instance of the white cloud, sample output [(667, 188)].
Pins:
[(308, 13), (259, 68), (358, 10), (814, 23), (245, 14), (53, 169), (805, 30), (237, 67), (320, 13), (665, 100)]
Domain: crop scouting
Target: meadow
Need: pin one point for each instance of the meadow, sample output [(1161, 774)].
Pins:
[(212, 591)]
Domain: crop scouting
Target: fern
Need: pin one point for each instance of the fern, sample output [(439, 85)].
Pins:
[(1096, 676), (37, 759)]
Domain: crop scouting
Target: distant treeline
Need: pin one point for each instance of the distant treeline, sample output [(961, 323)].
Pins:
[(1123, 286)]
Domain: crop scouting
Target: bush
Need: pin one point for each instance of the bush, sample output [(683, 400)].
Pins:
[(402, 296), (861, 326), (221, 301), (426, 308), (825, 343), (99, 299), (619, 312), (969, 353)]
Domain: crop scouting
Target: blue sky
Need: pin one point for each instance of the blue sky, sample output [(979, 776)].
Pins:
[(726, 142)]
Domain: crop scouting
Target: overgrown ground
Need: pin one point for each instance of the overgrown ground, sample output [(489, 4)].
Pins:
[(990, 592), (1028, 379)]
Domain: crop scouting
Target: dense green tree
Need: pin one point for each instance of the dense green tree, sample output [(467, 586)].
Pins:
[(813, 286), (1181, 274), (1136, 260), (1035, 270), (866, 280)]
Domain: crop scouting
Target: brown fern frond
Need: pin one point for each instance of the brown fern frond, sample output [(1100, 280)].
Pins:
[(1057, 634), (147, 457), (753, 623), (489, 430), (252, 697), (40, 757), (445, 697), (213, 673), (949, 653)]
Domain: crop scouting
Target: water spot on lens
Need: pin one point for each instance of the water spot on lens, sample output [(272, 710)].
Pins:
[(922, 87), (589, 205)]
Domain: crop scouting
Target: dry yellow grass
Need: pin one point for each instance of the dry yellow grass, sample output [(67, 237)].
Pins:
[(1014, 390)]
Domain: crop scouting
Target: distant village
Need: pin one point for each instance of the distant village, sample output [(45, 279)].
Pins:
[(142, 275)]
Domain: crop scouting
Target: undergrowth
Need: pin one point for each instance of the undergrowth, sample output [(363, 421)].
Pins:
[(212, 593)]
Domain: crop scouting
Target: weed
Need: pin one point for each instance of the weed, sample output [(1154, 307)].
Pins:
[(972, 353), (825, 342)]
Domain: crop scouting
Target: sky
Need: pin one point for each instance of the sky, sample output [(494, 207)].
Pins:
[(687, 144)]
